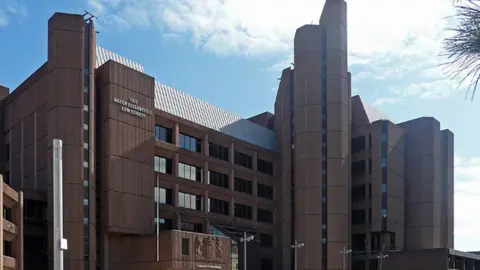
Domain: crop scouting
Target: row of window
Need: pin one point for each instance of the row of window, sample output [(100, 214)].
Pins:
[(190, 172), (217, 151), (195, 202), (359, 144)]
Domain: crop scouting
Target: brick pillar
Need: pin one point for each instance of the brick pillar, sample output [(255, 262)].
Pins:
[(231, 179), (206, 174), (231, 153), (205, 145), (176, 133)]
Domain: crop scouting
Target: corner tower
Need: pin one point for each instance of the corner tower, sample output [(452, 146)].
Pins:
[(322, 139)]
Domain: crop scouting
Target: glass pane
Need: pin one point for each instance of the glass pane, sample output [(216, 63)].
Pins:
[(193, 202), (156, 162), (163, 195), (193, 144), (181, 199), (156, 194), (193, 172), (163, 165), (188, 172), (181, 170), (187, 200)]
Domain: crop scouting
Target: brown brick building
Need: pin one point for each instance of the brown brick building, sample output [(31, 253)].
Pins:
[(157, 179)]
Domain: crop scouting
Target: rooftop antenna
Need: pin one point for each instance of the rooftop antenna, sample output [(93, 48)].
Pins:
[(87, 16)]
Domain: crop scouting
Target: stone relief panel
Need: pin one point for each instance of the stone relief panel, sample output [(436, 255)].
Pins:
[(208, 248)]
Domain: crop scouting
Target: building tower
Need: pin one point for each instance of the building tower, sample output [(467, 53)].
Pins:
[(315, 196)]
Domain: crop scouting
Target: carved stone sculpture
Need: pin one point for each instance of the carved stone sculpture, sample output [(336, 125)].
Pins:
[(208, 248)]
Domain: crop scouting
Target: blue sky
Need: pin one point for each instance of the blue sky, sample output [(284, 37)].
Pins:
[(230, 53)]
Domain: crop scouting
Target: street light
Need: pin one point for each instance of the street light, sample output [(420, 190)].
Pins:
[(344, 253), (245, 239), (296, 246), (380, 258)]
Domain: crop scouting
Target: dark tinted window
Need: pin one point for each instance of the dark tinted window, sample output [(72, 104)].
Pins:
[(358, 144), (185, 246), (218, 179), (265, 216), (163, 134), (243, 211), (358, 217), (218, 151), (358, 193), (266, 240), (219, 206), (358, 167), (264, 166), (242, 185), (165, 224), (266, 264), (243, 160), (190, 226), (190, 143), (265, 191)]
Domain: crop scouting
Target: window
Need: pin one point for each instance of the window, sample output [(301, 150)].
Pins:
[(265, 191), (7, 248), (384, 188), (162, 165), (266, 240), (266, 264), (189, 201), (384, 213), (7, 213), (358, 217), (189, 172), (163, 134), (243, 160), (190, 226), (163, 196), (218, 206), (34, 212), (358, 242), (190, 143), (185, 246), (358, 144), (358, 168), (243, 211), (358, 193), (264, 166), (265, 216), (218, 151), (242, 185), (218, 179), (164, 223)]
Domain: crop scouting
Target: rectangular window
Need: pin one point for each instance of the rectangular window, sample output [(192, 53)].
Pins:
[(265, 166), (358, 168), (163, 195), (384, 188), (358, 216), (162, 165), (266, 264), (265, 191), (358, 193), (163, 134), (190, 227), (243, 160), (369, 215), (189, 172), (242, 185), (218, 206), (189, 201), (243, 211), (358, 144), (190, 143), (218, 151), (266, 240), (218, 179), (265, 216), (185, 246), (165, 224), (369, 166), (384, 213)]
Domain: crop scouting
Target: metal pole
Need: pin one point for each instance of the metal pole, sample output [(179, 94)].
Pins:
[(296, 254), (60, 244), (244, 250), (343, 267)]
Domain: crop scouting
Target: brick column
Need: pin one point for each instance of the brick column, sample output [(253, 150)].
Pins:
[(176, 133), (206, 225), (205, 145), (231, 179), (175, 194), (231, 153), (254, 161), (175, 164), (255, 186), (177, 220), (232, 207), (205, 179), (205, 201)]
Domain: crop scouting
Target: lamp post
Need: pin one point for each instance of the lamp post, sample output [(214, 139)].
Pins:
[(380, 258), (244, 240), (344, 253), (296, 246), (60, 244)]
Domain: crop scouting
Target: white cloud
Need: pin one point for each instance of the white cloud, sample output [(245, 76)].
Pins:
[(467, 190), (10, 9), (386, 101), (430, 90)]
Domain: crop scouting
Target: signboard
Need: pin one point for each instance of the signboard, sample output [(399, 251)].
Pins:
[(209, 266), (131, 106)]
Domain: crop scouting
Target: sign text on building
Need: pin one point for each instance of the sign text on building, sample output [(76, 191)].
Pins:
[(209, 266), (131, 107)]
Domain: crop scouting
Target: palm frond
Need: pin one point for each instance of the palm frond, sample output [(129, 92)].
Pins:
[(462, 50)]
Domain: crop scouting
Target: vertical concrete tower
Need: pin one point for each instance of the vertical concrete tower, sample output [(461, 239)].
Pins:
[(321, 139)]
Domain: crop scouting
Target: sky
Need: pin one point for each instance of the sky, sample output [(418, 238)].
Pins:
[(230, 53)]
